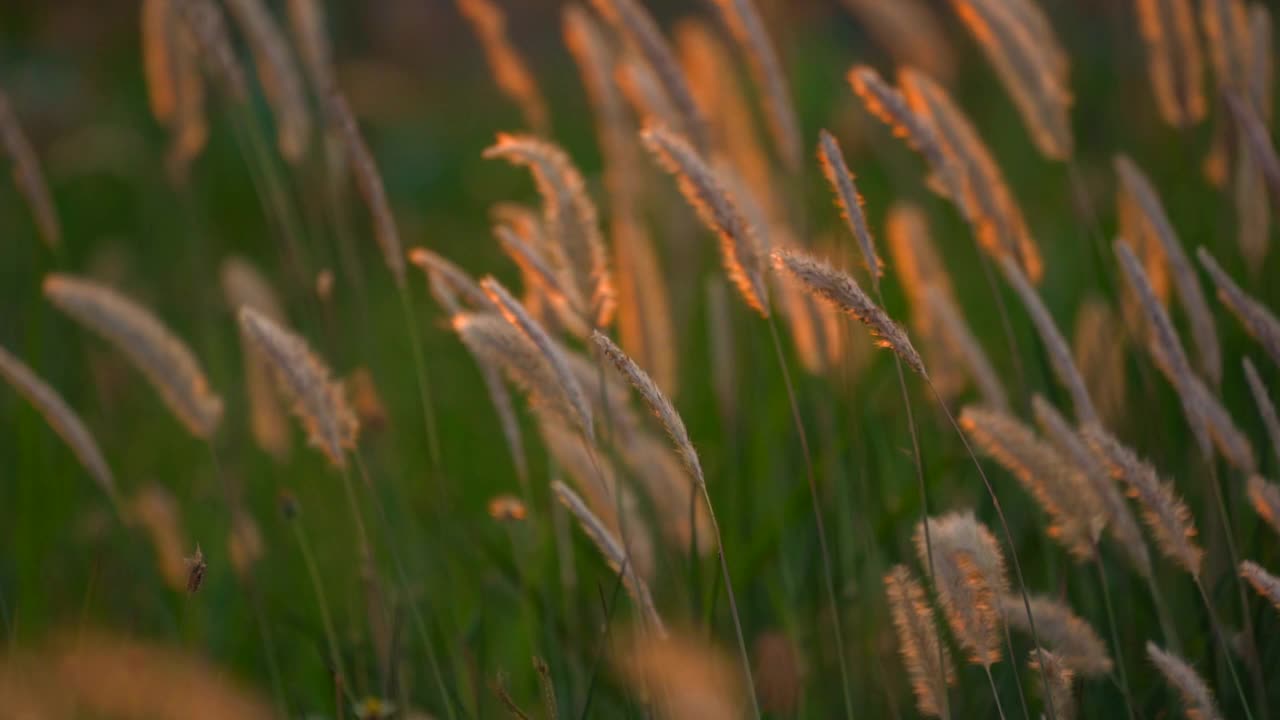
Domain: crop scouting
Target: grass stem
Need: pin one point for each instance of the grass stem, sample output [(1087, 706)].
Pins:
[(817, 514)]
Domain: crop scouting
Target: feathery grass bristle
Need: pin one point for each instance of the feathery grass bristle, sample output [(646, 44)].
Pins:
[(163, 358), (1197, 698), (923, 653), (303, 379), (842, 292)]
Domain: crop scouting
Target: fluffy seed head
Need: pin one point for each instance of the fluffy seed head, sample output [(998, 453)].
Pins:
[(1197, 698), (1055, 679), (1267, 585), (1260, 322), (133, 330), (1164, 512), (918, 641), (970, 580), (739, 244), (364, 171), (318, 402), (1057, 485), (1060, 358), (1165, 345), (519, 318), (1265, 498), (849, 201), (1076, 644), (614, 554), (1121, 524), (64, 421), (843, 293), (569, 216)]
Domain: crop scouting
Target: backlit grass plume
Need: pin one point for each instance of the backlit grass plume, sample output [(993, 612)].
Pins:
[(849, 201), (134, 331), (1197, 698), (64, 421), (175, 87), (1203, 330), (843, 293), (364, 172), (657, 402), (634, 23), (1166, 515), (510, 71), (519, 318), (1175, 62), (1061, 489), (908, 122), (929, 666), (277, 74), (1165, 346), (243, 284), (1265, 498), (1056, 682), (706, 193), (1120, 522), (1256, 318), (1020, 45), (569, 217), (1071, 639), (452, 287), (1266, 584), (308, 25), (737, 142), (970, 580), (1266, 409), (980, 191), (501, 344), (615, 555), (1226, 30), (910, 31), (28, 175), (748, 30), (319, 402), (1060, 357)]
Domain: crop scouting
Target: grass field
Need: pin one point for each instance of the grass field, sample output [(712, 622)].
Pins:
[(647, 171)]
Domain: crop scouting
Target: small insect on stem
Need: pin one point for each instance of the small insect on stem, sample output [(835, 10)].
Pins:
[(196, 569)]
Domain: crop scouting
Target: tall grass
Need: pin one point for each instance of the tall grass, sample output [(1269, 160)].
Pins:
[(567, 530)]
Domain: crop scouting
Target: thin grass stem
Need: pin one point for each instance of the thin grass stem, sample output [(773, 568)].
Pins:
[(991, 681), (326, 619), (1224, 645), (1250, 645), (420, 625), (1115, 636), (1008, 537), (424, 385), (817, 514)]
